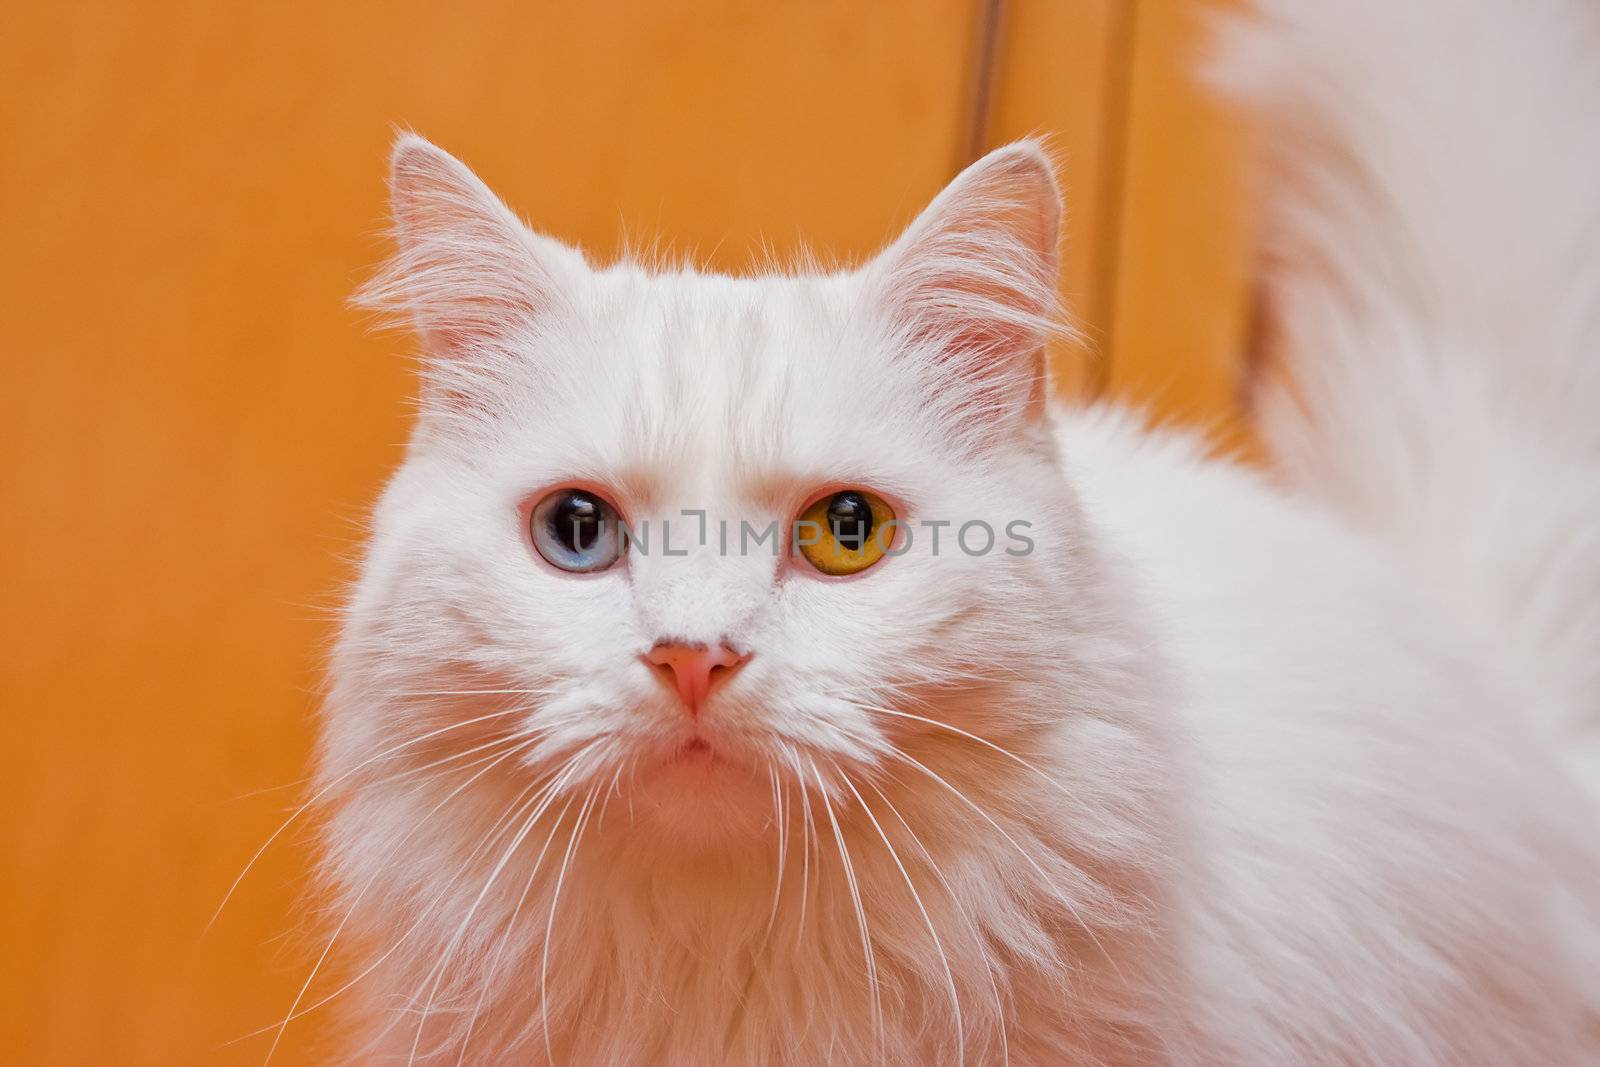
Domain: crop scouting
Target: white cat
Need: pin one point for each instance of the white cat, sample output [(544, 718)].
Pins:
[(1186, 767)]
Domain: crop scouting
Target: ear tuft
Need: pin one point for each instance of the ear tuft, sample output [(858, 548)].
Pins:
[(973, 279), (466, 270)]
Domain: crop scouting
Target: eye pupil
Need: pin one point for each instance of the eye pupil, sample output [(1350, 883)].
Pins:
[(850, 520), (576, 521)]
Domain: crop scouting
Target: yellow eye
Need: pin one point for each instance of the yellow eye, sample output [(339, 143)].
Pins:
[(845, 532)]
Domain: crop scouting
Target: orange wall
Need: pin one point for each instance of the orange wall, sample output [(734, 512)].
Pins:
[(192, 423)]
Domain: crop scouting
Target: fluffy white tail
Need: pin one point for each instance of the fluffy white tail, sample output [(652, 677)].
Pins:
[(1431, 239)]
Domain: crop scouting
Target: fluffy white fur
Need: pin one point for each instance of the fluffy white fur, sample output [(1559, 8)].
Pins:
[(1215, 774)]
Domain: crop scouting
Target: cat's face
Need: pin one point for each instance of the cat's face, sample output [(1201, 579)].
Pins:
[(713, 415)]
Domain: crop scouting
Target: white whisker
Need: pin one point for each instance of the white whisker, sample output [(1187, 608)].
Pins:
[(949, 975), (542, 801), (777, 882), (1048, 879), (550, 924), (955, 901), (1007, 753), (491, 763), (861, 916), (471, 693), (808, 837), (489, 837), (494, 964), (326, 788)]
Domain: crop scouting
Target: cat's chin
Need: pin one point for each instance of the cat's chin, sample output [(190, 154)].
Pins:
[(702, 794)]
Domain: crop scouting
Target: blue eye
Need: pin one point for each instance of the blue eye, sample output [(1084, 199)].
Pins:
[(576, 531)]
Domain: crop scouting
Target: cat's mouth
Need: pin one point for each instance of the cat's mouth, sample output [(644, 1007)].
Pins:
[(696, 751), (704, 752), (704, 788), (704, 756)]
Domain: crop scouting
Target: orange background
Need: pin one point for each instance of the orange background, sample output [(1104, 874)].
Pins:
[(192, 423)]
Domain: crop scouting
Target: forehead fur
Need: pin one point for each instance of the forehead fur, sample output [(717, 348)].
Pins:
[(653, 378), (941, 334)]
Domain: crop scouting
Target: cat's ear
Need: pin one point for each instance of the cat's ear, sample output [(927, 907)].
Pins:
[(971, 284), (467, 273)]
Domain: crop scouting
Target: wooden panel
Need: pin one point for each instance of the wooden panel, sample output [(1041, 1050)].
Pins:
[(191, 422), (1058, 77), (1180, 263)]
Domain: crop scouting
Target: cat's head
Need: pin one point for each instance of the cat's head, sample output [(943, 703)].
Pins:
[(764, 621)]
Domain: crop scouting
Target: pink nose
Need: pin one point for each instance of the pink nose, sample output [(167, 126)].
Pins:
[(694, 668)]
